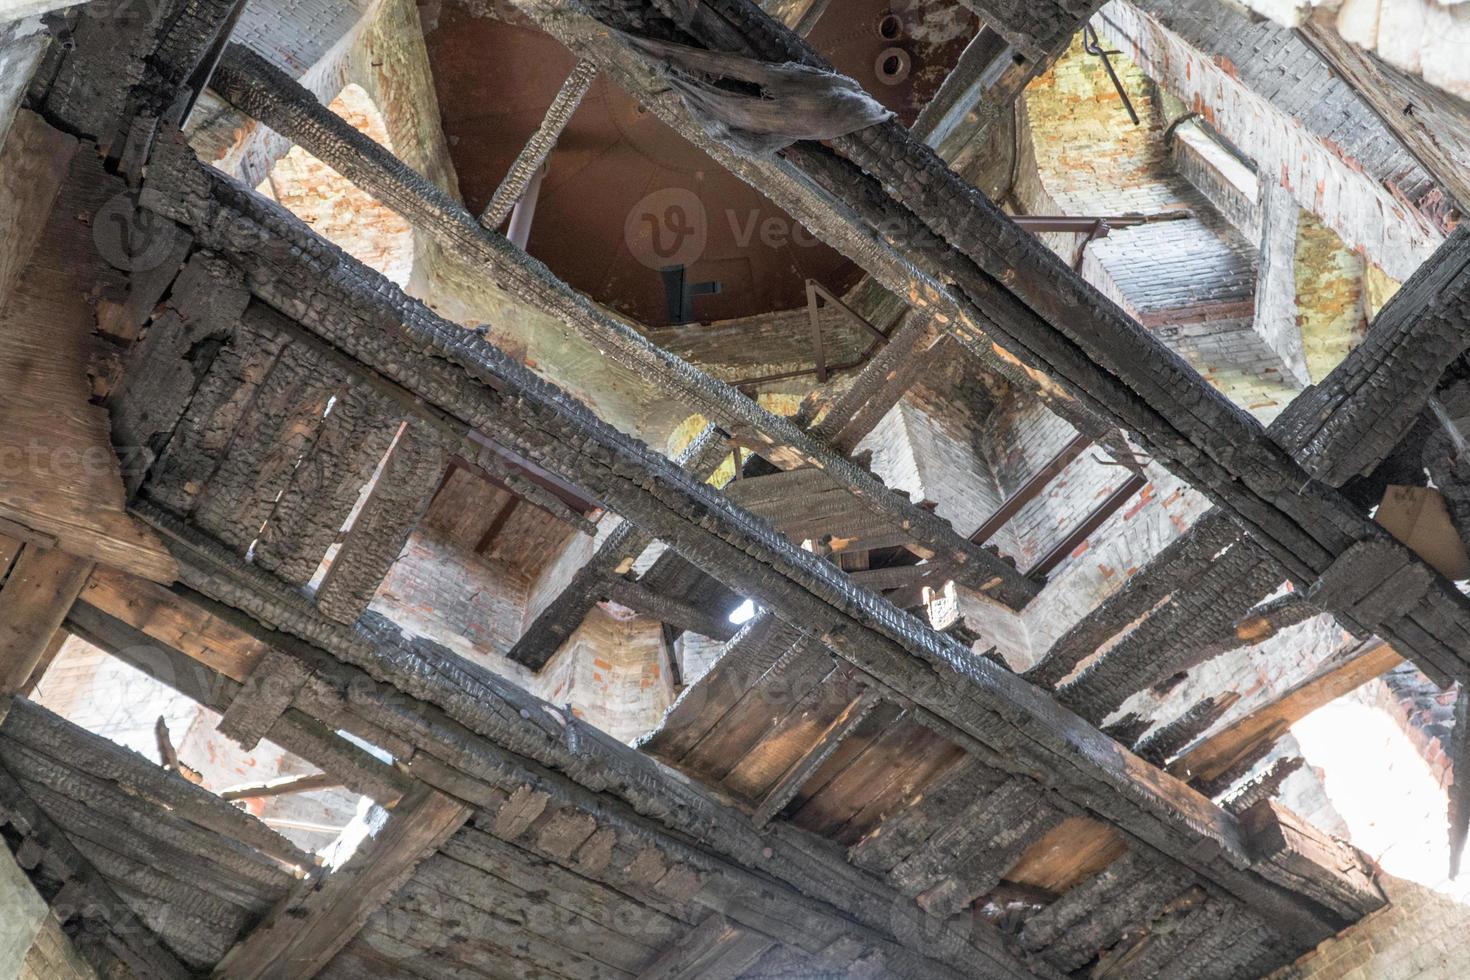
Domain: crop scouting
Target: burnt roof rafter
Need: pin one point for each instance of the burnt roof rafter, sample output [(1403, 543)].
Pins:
[(1052, 320), (264, 92), (973, 699)]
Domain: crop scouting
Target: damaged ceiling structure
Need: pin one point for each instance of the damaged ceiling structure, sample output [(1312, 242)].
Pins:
[(604, 489)]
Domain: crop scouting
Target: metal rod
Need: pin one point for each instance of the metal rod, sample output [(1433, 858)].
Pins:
[(1090, 45)]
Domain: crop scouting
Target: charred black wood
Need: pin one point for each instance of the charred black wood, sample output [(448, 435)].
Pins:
[(1054, 322), (1266, 785), (368, 318), (1162, 744), (256, 87)]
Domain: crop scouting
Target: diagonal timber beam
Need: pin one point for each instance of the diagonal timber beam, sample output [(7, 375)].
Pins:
[(1055, 322), (301, 935), (256, 87), (1338, 429), (986, 708), (538, 148)]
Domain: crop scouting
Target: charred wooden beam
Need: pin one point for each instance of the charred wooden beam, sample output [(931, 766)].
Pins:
[(126, 73), (1265, 786), (258, 88), (1286, 845), (478, 737), (1264, 725), (210, 685), (1166, 642), (304, 933), (715, 948), (108, 934), (471, 380), (1180, 562), (50, 737), (40, 588), (1162, 744), (666, 609), (880, 384), (538, 148), (401, 494), (1047, 317)]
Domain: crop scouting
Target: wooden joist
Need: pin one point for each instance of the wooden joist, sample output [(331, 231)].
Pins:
[(817, 753), (266, 695), (253, 85), (465, 748), (135, 625), (404, 486), (1049, 318), (471, 380), (1286, 848), (325, 484), (300, 938), (538, 148), (1221, 751), (41, 586), (716, 949), (666, 609)]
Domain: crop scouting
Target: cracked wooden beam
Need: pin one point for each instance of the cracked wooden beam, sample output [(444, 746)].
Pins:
[(304, 933), (978, 703), (1220, 752), (537, 151), (1052, 320), (257, 88), (666, 609)]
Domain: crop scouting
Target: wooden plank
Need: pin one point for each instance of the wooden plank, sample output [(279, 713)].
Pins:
[(325, 486), (33, 602), (219, 404), (277, 431), (1342, 674), (264, 698), (323, 915), (404, 487), (1295, 854), (816, 754), (716, 949), (160, 614), (1069, 854), (61, 475)]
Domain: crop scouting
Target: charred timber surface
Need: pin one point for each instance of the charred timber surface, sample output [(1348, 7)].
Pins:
[(538, 148), (256, 87), (1052, 321), (987, 708), (614, 555), (464, 720)]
